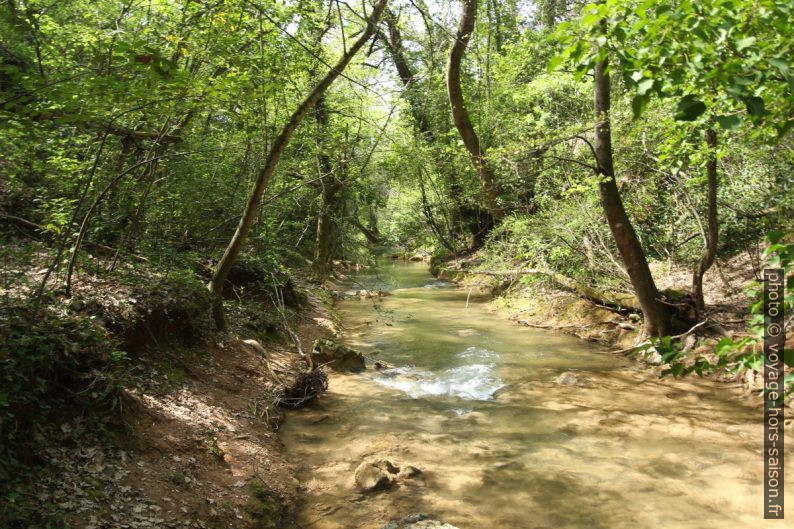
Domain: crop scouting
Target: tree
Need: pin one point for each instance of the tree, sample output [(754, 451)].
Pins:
[(330, 185), (657, 317), (428, 133), (460, 116), (721, 61), (254, 201)]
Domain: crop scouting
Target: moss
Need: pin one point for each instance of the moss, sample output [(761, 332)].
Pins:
[(264, 506)]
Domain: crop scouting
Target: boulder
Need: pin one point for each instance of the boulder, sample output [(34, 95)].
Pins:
[(418, 521), (337, 356), (375, 475)]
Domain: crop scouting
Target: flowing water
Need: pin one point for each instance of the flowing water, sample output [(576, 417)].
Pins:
[(518, 428)]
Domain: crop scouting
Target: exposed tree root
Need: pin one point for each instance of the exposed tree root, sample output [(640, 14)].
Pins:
[(307, 387)]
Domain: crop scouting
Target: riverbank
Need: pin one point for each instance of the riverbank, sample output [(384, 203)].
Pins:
[(139, 415), (536, 300)]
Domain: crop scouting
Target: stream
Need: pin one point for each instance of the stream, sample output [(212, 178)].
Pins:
[(514, 427)]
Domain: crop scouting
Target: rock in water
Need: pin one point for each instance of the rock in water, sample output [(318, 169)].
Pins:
[(410, 471), (418, 521), (571, 379), (375, 475), (337, 356), (566, 379)]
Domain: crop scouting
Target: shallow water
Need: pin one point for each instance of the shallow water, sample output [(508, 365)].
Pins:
[(518, 428)]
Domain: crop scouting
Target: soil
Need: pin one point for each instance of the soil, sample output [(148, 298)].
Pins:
[(195, 443)]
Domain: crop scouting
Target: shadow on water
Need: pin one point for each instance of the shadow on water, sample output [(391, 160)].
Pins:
[(516, 427)]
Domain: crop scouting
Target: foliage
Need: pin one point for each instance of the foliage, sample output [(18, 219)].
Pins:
[(746, 353), (49, 359), (732, 57)]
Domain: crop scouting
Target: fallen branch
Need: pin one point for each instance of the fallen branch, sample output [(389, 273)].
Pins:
[(622, 325), (601, 297), (281, 307), (307, 386), (675, 337)]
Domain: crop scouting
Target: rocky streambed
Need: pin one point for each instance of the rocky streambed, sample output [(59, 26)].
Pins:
[(475, 422)]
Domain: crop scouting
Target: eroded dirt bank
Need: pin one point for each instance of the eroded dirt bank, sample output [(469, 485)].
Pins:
[(189, 437)]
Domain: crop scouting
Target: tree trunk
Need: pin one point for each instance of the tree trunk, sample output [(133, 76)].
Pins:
[(475, 220), (322, 247), (394, 43), (370, 233), (428, 211), (657, 317), (254, 202), (713, 232), (330, 184), (461, 116), (615, 300)]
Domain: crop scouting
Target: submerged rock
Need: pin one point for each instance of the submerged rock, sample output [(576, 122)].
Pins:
[(409, 471), (337, 356), (418, 521), (571, 379), (370, 294), (375, 475)]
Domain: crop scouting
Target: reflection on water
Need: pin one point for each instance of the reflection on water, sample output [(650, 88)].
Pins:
[(518, 428)]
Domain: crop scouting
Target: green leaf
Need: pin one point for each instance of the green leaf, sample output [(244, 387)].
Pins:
[(755, 106), (774, 236), (724, 346), (689, 108), (729, 122), (745, 43), (638, 104), (788, 357), (644, 86), (555, 63), (781, 65), (620, 34)]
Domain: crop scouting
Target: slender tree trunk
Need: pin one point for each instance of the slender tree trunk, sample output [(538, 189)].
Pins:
[(322, 247), (460, 115), (470, 216), (394, 43), (428, 211), (371, 233), (657, 317), (330, 184), (372, 225), (712, 238), (254, 202)]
